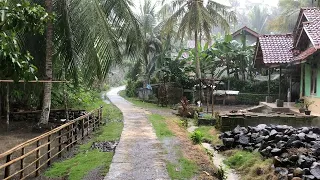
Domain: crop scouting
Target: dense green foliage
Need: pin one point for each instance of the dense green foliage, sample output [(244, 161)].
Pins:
[(16, 19)]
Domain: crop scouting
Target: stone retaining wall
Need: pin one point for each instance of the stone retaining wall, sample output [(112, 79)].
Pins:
[(230, 121)]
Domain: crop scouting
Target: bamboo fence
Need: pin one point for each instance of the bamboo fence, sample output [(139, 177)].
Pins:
[(26, 160)]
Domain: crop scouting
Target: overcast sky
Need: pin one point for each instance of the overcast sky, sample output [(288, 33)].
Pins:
[(243, 2)]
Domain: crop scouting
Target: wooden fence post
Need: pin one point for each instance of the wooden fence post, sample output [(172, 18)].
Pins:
[(68, 137), (100, 116), (93, 123), (37, 157), (22, 163), (71, 138), (49, 151), (88, 126), (82, 128), (60, 143), (7, 169), (76, 132)]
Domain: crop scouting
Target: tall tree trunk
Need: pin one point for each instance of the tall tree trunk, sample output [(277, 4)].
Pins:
[(198, 69), (44, 119)]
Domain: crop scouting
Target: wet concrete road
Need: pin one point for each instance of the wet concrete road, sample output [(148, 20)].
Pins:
[(139, 154)]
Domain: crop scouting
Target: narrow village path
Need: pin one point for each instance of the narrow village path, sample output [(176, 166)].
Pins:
[(139, 153)]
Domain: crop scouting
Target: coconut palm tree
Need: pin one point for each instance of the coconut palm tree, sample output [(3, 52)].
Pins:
[(151, 43), (46, 105), (89, 37), (195, 17)]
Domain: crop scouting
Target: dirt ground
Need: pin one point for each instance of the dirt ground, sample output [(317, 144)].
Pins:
[(19, 132)]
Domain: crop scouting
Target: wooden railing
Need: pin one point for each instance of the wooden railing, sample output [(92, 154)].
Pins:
[(30, 157)]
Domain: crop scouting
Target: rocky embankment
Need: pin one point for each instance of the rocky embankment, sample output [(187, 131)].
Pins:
[(296, 152)]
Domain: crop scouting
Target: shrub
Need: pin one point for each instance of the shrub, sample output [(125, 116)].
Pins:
[(196, 137), (132, 86)]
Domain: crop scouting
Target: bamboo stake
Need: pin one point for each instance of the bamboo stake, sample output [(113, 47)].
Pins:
[(60, 142), (88, 126), (7, 169), (22, 163), (68, 136), (82, 128), (49, 151), (37, 157)]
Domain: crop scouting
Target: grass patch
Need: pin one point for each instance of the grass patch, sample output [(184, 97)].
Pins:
[(77, 167), (160, 126), (86, 159), (210, 134), (140, 103), (185, 169), (251, 165)]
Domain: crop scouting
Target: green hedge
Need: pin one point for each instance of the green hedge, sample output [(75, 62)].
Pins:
[(252, 99)]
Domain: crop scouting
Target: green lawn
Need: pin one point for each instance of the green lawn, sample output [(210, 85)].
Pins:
[(185, 169), (160, 126), (87, 159)]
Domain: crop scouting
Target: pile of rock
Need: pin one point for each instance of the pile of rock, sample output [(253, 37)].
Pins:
[(107, 146), (296, 152)]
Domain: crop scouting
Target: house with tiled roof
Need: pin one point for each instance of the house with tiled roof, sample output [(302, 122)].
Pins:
[(298, 51), (307, 57), (249, 34), (273, 50)]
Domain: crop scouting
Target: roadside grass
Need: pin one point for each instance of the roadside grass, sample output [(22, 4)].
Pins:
[(77, 167), (184, 169), (160, 126), (210, 134), (140, 103), (251, 165), (87, 159)]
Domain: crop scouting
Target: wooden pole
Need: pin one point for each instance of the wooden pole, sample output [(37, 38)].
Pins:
[(60, 143), (22, 163), (68, 137), (280, 83), (8, 107), (82, 128), (49, 151), (65, 101), (7, 169), (269, 80), (208, 93), (212, 100), (38, 158)]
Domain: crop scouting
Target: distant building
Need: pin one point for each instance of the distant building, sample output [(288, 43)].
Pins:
[(250, 35)]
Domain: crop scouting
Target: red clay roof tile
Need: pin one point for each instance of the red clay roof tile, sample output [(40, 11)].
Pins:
[(276, 49), (311, 13)]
